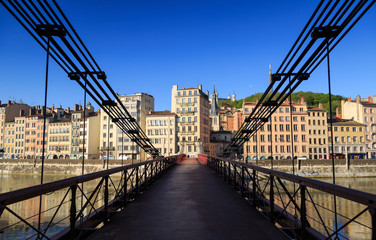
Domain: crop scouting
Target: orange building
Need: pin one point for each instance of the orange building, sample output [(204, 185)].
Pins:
[(274, 138)]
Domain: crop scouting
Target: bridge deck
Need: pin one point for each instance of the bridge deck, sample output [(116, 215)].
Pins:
[(189, 202)]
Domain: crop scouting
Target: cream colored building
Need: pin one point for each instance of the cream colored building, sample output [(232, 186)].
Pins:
[(20, 123), (192, 108), (363, 111), (91, 134), (77, 120), (349, 139), (317, 133), (161, 130), (9, 140), (59, 139), (116, 145)]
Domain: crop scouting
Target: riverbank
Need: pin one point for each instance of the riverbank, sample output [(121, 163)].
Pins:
[(306, 168), (57, 166), (323, 168)]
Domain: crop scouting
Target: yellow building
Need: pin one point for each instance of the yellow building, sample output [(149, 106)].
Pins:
[(20, 123), (9, 140), (349, 139), (192, 108), (59, 139)]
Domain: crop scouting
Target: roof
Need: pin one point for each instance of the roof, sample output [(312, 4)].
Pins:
[(161, 113), (316, 109), (345, 122)]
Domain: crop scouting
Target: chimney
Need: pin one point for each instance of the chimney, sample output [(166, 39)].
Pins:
[(30, 111), (68, 109), (287, 101), (76, 108), (59, 106), (374, 99), (369, 99), (302, 100), (14, 102), (349, 99), (21, 112), (338, 113), (8, 103), (207, 93), (53, 107), (320, 105), (358, 99), (200, 87)]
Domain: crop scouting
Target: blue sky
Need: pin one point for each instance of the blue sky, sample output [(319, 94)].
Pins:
[(147, 46)]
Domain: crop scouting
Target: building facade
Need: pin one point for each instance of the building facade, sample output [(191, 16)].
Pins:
[(317, 133), (349, 139), (192, 108), (363, 111), (59, 139), (8, 112), (116, 145), (274, 138), (161, 130), (20, 124)]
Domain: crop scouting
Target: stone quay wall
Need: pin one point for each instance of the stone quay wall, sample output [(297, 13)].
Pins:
[(323, 168), (306, 168)]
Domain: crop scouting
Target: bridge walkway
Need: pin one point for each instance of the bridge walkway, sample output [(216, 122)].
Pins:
[(189, 202)]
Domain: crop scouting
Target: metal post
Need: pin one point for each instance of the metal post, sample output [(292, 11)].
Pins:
[(73, 210), (242, 188), (151, 172), (108, 140), (229, 173), (303, 211), (271, 194), (106, 198), (372, 211), (254, 188), (137, 191), (145, 174), (125, 188)]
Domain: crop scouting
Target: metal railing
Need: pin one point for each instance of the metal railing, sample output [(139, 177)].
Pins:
[(111, 190), (300, 206)]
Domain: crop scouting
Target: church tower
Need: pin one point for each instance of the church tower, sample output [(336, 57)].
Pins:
[(270, 77)]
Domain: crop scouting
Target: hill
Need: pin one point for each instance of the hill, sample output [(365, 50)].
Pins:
[(312, 99)]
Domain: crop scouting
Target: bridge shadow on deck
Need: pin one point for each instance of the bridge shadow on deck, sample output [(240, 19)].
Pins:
[(189, 202)]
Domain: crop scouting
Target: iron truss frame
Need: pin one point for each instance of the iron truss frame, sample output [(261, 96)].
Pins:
[(330, 22), (47, 23)]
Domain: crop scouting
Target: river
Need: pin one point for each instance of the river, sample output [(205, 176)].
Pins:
[(30, 208)]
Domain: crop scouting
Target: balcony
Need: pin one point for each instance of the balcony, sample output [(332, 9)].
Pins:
[(187, 132), (187, 113), (187, 123), (107, 149), (187, 103)]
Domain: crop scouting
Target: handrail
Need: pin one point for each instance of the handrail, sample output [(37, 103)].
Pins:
[(34, 191), (266, 191), (343, 192), (140, 174)]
